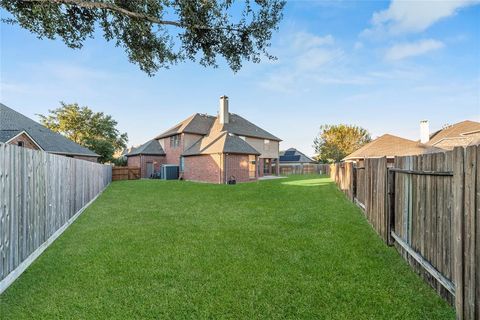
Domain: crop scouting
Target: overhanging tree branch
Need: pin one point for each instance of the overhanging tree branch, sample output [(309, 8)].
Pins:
[(205, 30), (128, 13)]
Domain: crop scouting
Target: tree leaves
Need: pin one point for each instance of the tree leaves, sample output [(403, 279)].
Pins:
[(204, 30), (93, 130), (335, 142)]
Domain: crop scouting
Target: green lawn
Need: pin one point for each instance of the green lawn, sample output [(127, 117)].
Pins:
[(288, 248)]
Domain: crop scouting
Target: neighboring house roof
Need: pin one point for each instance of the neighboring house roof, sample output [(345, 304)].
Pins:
[(151, 147), (461, 133), (389, 146), (221, 142), (202, 124), (13, 123), (292, 155)]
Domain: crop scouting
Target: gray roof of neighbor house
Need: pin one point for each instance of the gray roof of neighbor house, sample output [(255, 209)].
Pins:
[(13, 123), (151, 147), (464, 129), (389, 146), (293, 155), (221, 142), (202, 124)]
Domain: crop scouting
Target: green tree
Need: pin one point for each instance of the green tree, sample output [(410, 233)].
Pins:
[(158, 33), (93, 130), (334, 142)]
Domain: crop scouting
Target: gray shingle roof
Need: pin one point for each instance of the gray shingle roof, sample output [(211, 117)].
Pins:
[(242, 127), (196, 124), (151, 147), (299, 156), (202, 124), (13, 123), (221, 142)]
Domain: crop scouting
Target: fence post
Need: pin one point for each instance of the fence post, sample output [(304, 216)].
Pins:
[(458, 228), (354, 182), (390, 205)]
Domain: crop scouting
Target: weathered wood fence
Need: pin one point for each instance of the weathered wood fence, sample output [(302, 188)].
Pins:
[(304, 169), (428, 207), (40, 196), (125, 173)]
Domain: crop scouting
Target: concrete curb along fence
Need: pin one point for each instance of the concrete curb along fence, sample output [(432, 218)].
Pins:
[(41, 195), (428, 207)]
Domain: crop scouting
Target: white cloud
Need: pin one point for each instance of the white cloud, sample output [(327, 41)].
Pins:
[(406, 50), (413, 16), (305, 58)]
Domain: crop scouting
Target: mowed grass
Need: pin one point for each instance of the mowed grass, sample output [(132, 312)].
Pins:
[(289, 248)]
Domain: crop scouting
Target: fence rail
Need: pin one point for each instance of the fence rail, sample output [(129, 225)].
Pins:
[(428, 207), (40, 195)]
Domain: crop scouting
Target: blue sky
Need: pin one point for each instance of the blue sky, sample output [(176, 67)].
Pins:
[(378, 64)]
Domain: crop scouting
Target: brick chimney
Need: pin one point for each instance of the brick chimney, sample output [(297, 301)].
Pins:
[(424, 131), (223, 115)]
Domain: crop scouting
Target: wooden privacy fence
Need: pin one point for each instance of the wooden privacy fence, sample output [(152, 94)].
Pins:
[(304, 169), (428, 207), (40, 196), (125, 173)]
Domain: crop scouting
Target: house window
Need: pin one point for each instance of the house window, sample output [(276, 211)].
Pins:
[(175, 141), (266, 141), (20, 143), (251, 166)]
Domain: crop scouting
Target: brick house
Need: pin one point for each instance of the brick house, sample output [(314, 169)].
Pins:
[(22, 131), (213, 149)]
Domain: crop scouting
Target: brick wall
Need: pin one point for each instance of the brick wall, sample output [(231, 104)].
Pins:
[(173, 154), (205, 168), (142, 160), (27, 142), (133, 161), (237, 166)]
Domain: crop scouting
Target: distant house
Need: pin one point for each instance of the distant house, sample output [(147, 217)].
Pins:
[(459, 134), (22, 131), (212, 149), (292, 157), (389, 146)]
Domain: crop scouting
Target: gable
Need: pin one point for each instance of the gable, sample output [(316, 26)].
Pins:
[(25, 139)]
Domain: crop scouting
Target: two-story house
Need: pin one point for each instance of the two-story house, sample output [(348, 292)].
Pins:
[(211, 149)]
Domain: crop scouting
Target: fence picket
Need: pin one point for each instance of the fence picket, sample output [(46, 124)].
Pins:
[(38, 197)]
